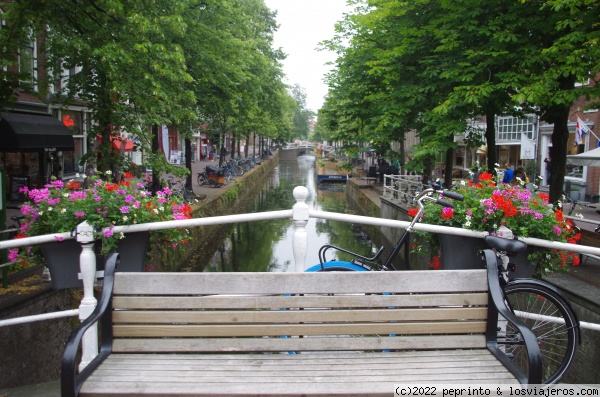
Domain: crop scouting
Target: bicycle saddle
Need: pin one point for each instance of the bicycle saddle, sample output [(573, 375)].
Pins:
[(504, 244)]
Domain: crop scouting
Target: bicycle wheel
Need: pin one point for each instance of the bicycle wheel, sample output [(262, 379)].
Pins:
[(202, 179), (337, 266), (551, 319)]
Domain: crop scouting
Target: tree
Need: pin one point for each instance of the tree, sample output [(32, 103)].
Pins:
[(302, 115)]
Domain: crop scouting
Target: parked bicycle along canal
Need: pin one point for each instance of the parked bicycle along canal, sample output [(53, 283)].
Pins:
[(267, 245)]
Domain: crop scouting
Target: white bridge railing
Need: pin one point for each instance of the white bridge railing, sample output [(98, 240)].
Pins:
[(299, 214), (401, 187)]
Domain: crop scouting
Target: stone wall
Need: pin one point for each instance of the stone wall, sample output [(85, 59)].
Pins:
[(32, 353), (224, 200)]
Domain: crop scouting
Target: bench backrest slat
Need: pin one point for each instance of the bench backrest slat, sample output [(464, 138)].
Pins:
[(299, 311), (300, 283), (235, 345), (265, 302)]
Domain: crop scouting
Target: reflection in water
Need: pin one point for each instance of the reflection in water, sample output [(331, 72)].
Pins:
[(267, 245)]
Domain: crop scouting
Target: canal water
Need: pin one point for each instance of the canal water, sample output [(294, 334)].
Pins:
[(267, 245)]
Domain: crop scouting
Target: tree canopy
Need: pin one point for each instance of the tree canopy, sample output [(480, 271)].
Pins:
[(432, 65)]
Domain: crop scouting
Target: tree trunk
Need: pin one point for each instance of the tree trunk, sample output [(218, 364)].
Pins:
[(560, 139), (449, 166), (155, 149), (490, 140), (188, 161)]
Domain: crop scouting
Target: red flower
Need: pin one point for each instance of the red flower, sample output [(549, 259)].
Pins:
[(559, 215), (73, 185), (127, 175), (447, 213), (485, 176), (435, 263), (110, 187), (544, 197), (412, 212)]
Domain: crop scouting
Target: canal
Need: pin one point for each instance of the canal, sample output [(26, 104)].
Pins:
[(267, 245)]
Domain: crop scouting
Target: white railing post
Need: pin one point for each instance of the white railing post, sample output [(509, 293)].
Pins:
[(87, 264), (300, 218)]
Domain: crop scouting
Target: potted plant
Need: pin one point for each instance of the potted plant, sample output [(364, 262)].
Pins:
[(488, 206), (60, 207)]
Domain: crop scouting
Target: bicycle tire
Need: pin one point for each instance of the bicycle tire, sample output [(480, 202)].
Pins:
[(337, 266), (558, 342)]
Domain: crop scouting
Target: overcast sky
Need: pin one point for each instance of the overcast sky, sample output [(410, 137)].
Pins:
[(302, 25)]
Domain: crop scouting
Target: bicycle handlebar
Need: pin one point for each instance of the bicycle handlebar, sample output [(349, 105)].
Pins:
[(453, 195)]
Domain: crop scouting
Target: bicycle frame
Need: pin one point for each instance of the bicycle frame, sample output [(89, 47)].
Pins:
[(425, 195)]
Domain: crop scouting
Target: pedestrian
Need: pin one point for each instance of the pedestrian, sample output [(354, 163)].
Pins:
[(548, 161), (520, 176), (508, 174)]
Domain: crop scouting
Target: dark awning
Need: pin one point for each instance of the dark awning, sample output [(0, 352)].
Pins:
[(20, 132)]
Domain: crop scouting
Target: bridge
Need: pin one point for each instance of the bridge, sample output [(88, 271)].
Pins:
[(291, 153)]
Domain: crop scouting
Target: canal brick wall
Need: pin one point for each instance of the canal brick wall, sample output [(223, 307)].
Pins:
[(224, 200), (32, 353)]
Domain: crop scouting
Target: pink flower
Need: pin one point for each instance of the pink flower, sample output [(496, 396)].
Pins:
[(124, 209), (79, 214), (13, 254), (108, 233)]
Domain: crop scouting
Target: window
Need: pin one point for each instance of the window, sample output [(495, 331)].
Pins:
[(28, 66), (510, 128)]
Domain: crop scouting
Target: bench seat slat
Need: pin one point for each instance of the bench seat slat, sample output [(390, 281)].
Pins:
[(260, 330), (299, 344), (422, 356), (300, 283), (291, 316), (337, 374), (275, 302)]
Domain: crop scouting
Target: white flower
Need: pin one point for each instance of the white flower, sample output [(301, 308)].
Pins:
[(65, 195), (463, 183), (50, 208), (108, 172), (63, 210), (77, 175), (494, 226), (467, 224), (121, 235), (161, 208), (155, 211), (125, 218)]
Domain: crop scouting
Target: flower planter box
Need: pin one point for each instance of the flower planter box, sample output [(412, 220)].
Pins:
[(459, 252), (62, 258)]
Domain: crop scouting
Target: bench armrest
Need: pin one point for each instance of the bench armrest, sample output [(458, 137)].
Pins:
[(70, 381), (498, 302)]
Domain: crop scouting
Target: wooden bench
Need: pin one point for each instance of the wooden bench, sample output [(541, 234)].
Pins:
[(331, 333)]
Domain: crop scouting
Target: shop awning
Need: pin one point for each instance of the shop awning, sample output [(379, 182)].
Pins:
[(118, 142), (20, 132)]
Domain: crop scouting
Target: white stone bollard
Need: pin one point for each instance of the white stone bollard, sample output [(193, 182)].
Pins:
[(87, 264), (300, 218)]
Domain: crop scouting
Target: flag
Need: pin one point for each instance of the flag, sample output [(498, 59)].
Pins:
[(580, 131), (527, 148)]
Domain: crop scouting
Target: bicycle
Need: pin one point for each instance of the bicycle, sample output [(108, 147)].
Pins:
[(180, 188), (539, 304)]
